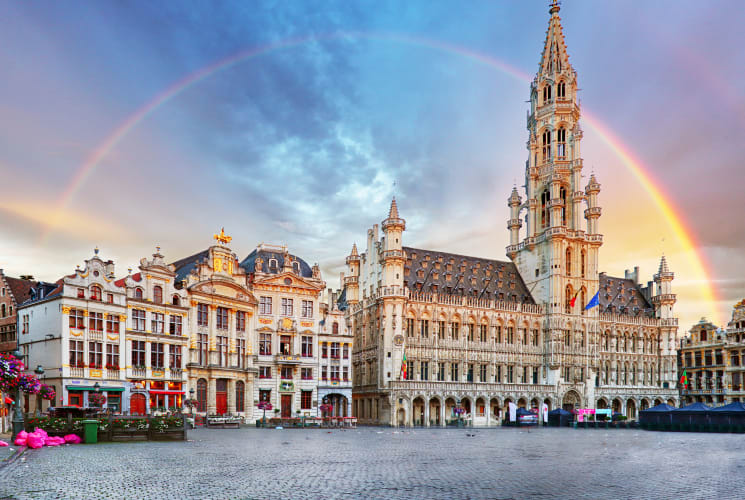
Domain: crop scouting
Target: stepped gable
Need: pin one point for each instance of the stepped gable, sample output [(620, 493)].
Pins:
[(622, 296), (432, 271), (21, 289), (187, 264)]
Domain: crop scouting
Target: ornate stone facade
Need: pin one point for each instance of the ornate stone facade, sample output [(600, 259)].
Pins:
[(434, 330)]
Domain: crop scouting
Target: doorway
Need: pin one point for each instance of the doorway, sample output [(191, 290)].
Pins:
[(221, 396), (286, 405)]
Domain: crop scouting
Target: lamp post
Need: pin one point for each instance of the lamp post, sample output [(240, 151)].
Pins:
[(39, 371), (191, 397), (17, 411)]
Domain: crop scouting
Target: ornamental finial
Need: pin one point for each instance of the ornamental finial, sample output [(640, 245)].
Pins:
[(222, 237)]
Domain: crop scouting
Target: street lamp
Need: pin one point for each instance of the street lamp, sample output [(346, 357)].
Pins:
[(39, 371), (191, 397), (17, 411)]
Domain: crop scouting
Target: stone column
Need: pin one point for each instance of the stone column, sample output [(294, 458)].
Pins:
[(426, 413), (231, 396), (211, 396), (442, 413)]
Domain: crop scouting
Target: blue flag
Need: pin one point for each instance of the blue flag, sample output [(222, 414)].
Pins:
[(594, 301)]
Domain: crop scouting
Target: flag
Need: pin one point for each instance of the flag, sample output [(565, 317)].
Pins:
[(574, 299), (594, 301), (403, 367), (684, 379)]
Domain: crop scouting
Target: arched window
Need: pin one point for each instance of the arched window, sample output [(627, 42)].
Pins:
[(563, 196), (201, 395), (138, 293), (582, 263), (272, 264), (2, 311), (296, 267), (561, 139), (568, 263), (546, 146), (545, 214), (561, 90), (582, 302), (240, 396), (568, 298), (96, 292), (335, 328), (158, 294), (547, 94), (176, 300)]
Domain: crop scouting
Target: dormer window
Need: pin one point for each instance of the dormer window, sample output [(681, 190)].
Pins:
[(96, 293), (81, 293), (158, 294), (138, 293), (176, 300), (296, 267), (273, 264)]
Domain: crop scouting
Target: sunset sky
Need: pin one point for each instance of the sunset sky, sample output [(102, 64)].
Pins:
[(127, 125)]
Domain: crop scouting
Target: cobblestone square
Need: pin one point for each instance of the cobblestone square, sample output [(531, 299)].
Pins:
[(388, 463)]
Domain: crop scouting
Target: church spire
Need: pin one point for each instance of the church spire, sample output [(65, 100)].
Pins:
[(554, 58)]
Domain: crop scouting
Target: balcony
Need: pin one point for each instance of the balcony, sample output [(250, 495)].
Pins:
[(288, 359), (112, 374), (139, 372), (95, 335), (76, 371)]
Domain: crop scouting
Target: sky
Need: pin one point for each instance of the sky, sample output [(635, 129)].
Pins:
[(131, 125)]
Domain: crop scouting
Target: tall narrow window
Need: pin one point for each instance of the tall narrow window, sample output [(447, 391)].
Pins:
[(561, 90), (265, 344), (582, 263), (201, 395), (561, 137), (222, 318), (175, 325), (95, 354), (545, 215), (158, 322), (222, 351), (563, 196), (138, 354), (202, 315), (95, 322), (96, 293), (174, 357), (158, 294), (568, 262), (76, 354), (156, 356), (203, 345), (112, 323), (240, 321), (546, 146), (112, 356), (568, 298), (240, 349), (547, 92)]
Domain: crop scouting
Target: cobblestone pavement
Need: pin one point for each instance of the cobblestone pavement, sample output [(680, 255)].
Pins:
[(385, 463)]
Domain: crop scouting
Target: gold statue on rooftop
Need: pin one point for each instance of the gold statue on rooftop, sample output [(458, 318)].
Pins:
[(222, 237)]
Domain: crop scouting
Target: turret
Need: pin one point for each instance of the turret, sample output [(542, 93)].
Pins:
[(593, 211), (664, 299), (352, 280), (514, 224), (392, 252)]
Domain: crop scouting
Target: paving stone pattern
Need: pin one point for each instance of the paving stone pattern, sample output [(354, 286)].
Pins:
[(385, 463)]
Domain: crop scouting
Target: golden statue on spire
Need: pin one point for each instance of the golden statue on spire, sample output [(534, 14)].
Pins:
[(222, 237)]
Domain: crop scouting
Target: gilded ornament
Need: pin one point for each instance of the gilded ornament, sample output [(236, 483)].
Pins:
[(222, 237)]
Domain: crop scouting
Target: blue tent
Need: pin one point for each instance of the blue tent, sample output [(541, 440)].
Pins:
[(693, 414), (657, 415), (731, 414), (560, 418)]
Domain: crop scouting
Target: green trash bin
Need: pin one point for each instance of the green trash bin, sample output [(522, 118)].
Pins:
[(90, 431)]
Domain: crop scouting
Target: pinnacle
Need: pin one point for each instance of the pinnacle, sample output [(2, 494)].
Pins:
[(663, 266), (354, 250), (393, 212)]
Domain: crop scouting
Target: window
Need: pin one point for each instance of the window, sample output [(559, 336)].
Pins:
[(307, 310), (345, 350), (110, 298), (334, 350), (95, 322), (324, 350), (424, 370), (138, 354), (424, 328), (482, 373), (469, 375), (265, 372), (112, 323), (76, 354), (510, 375), (81, 293), (176, 301), (96, 293), (561, 89), (335, 328), (222, 318), (265, 344), (286, 307), (454, 327), (95, 355), (441, 372), (203, 346), (345, 376), (174, 327), (222, 350), (265, 305), (546, 146), (201, 395), (265, 395), (510, 335), (545, 214), (138, 293), (582, 264), (306, 399), (334, 372), (240, 321), (240, 346), (561, 136), (441, 330), (174, 357), (138, 320), (483, 333), (285, 345), (240, 396), (158, 322), (306, 373), (409, 370), (25, 328), (547, 88), (112, 356), (286, 372), (307, 346), (158, 294), (202, 315), (324, 371), (156, 356), (534, 337), (409, 327), (454, 372)]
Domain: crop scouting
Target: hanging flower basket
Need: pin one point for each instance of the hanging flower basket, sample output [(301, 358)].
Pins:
[(97, 399)]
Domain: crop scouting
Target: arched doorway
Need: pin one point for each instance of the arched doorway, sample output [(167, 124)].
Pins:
[(571, 401), (617, 405), (494, 404), (401, 417), (418, 411), (466, 404), (534, 403), (522, 403), (657, 401), (221, 398), (601, 404), (644, 405), (137, 404), (434, 412), (547, 402), (449, 405), (339, 404), (630, 409)]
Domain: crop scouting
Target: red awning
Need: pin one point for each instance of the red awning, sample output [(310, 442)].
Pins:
[(8, 400), (173, 393)]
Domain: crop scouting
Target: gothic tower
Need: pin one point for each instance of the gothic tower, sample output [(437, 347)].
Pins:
[(558, 257)]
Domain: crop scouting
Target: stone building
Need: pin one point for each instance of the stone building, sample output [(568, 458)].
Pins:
[(221, 321), (13, 291), (157, 336), (74, 329), (287, 326), (714, 361), (434, 330), (335, 362)]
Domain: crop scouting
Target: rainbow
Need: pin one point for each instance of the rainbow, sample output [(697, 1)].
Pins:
[(683, 234)]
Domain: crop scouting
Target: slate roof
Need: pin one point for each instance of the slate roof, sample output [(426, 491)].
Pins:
[(43, 290), (622, 296), (248, 263), (428, 271), (185, 265)]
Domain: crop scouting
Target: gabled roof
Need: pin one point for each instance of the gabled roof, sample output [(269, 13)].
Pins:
[(249, 263), (618, 295), (469, 276), (20, 289), (185, 265)]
